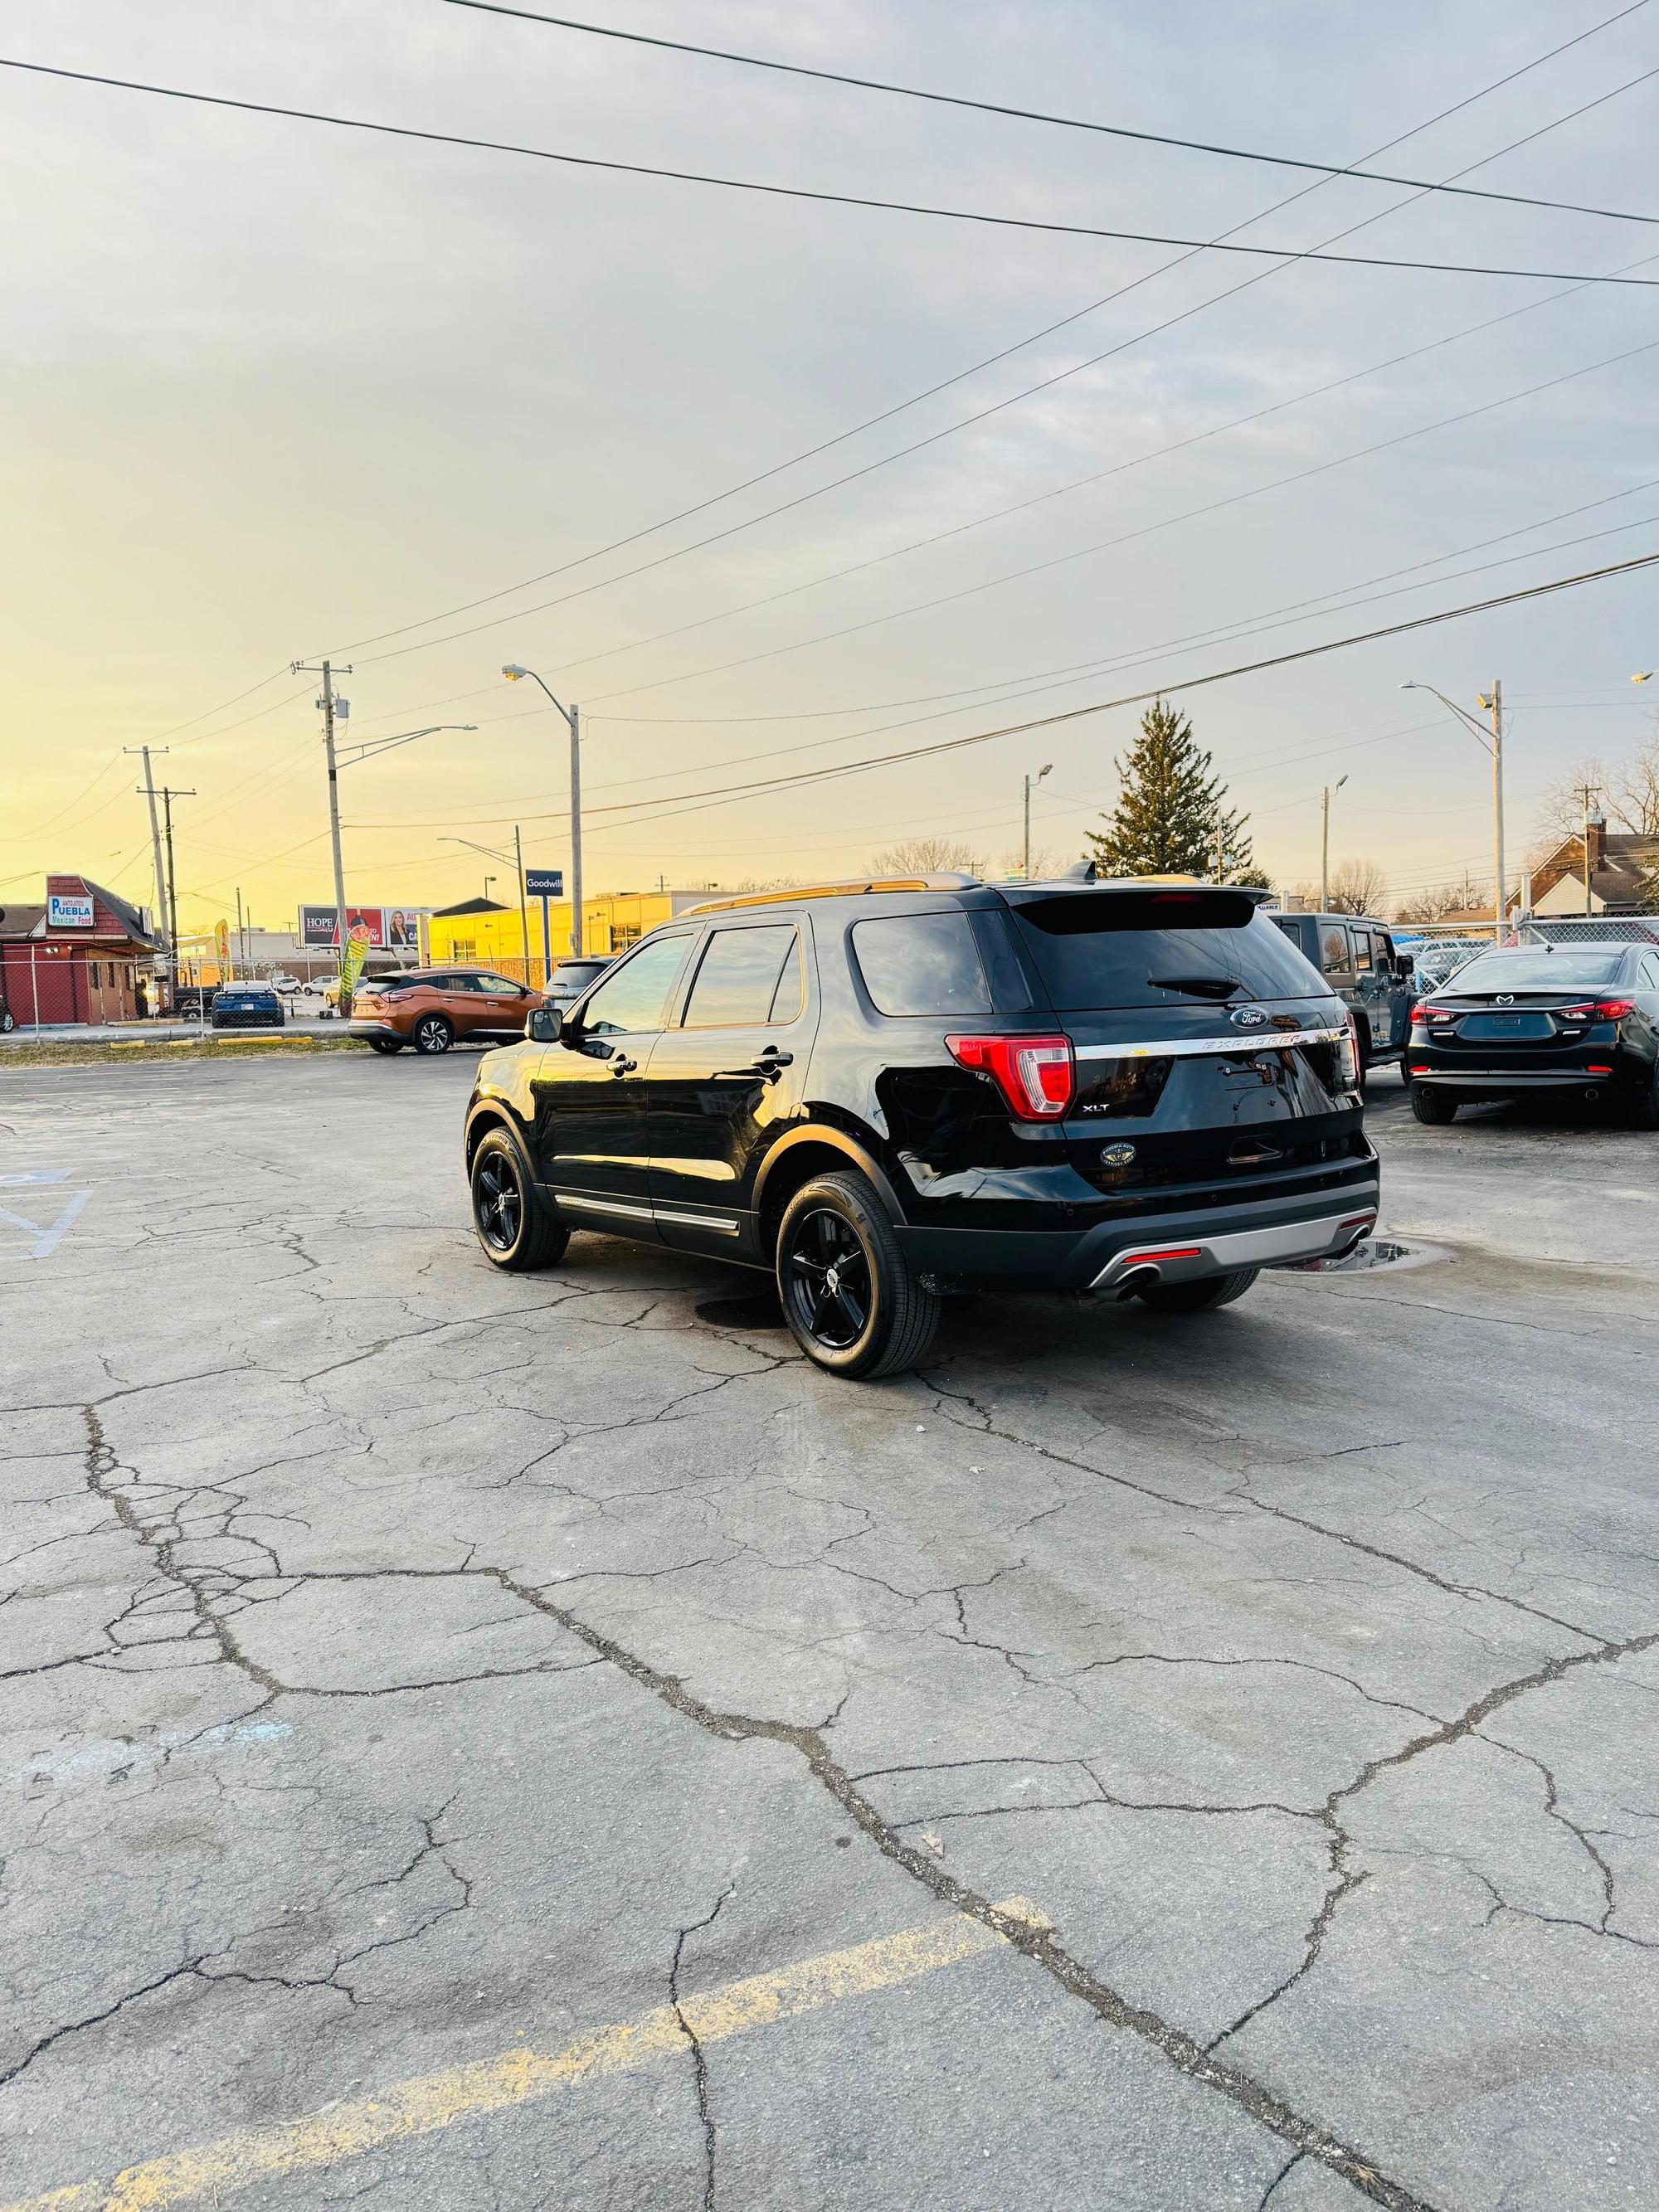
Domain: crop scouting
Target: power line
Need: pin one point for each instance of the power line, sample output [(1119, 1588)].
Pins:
[(1078, 483), (695, 801), (1060, 376), (1244, 626), (1082, 552), (1071, 122), (833, 199)]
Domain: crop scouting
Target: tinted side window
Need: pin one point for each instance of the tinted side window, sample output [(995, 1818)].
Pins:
[(1650, 972), (498, 987), (1362, 951), (921, 963), (737, 978), (634, 998), (1334, 950)]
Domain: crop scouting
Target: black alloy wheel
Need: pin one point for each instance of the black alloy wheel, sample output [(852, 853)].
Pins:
[(829, 1276), (513, 1226), (433, 1033), (848, 1294)]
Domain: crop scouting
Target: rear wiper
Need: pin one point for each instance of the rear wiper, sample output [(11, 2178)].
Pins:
[(1197, 987)]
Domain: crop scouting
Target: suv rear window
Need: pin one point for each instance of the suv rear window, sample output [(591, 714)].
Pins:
[(921, 963), (1158, 948)]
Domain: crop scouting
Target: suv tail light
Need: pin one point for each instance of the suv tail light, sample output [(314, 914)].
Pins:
[(1347, 1057), (1033, 1073)]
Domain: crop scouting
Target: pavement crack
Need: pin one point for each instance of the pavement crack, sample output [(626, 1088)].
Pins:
[(699, 2058), (969, 1414), (1039, 1944)]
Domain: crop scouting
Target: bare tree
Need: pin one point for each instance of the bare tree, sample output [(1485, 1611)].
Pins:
[(1359, 887), (1628, 794), (928, 856), (1470, 895), (1047, 862)]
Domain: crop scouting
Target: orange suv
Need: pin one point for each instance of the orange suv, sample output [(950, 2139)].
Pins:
[(434, 1008)]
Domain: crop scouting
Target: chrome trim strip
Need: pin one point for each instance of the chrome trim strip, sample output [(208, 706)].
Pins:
[(575, 1202), (1244, 1248), (1186, 1048)]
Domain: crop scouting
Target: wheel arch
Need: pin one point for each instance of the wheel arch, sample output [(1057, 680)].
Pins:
[(803, 1153)]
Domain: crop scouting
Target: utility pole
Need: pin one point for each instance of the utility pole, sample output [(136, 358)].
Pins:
[(524, 903), (1493, 703), (1325, 846), (325, 670), (155, 855), (1587, 791), (167, 797), (241, 934), (575, 719)]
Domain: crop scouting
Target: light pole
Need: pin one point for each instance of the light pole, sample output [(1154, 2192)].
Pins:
[(1325, 845), (1046, 769), (517, 858), (515, 674), (1492, 701)]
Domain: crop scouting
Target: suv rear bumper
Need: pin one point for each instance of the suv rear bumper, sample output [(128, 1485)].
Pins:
[(1170, 1247)]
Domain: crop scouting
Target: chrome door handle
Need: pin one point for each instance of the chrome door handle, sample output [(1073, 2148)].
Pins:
[(770, 1065), (624, 1067)]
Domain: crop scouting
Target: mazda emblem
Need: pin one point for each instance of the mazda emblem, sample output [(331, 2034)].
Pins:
[(1506, 997), (1251, 1018)]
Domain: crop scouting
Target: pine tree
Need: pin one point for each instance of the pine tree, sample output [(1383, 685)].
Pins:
[(1171, 818)]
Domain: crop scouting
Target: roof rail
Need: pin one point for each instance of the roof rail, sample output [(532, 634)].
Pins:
[(950, 881)]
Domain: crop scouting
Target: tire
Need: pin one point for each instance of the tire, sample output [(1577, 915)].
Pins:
[(1199, 1297), (880, 1321), (434, 1033), (515, 1230), (388, 1045), (1432, 1106), (1643, 1112)]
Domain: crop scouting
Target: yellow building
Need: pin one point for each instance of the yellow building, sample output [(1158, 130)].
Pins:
[(483, 933)]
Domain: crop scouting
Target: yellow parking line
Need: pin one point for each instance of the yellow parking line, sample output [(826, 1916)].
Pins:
[(429, 2101)]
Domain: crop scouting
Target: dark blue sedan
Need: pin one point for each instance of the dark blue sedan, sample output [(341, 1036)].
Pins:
[(247, 1006)]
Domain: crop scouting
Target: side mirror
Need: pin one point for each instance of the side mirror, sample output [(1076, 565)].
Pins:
[(546, 1024)]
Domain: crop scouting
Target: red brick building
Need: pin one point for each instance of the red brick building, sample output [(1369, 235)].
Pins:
[(77, 957)]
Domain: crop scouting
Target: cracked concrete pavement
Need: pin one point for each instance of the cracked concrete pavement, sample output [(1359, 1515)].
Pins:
[(401, 1665)]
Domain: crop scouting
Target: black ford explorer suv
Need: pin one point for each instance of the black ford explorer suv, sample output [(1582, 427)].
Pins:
[(888, 1093)]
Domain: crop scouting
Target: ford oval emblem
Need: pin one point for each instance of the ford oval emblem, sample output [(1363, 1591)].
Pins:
[(1117, 1156), (1251, 1018)]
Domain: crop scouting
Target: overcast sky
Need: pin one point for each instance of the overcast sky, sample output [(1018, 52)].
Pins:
[(271, 388)]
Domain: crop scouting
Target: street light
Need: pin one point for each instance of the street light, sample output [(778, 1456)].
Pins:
[(1325, 846), (517, 858), (1046, 769), (515, 674), (1492, 701)]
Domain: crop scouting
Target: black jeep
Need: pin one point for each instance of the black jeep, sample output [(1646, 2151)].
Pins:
[(890, 1093)]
